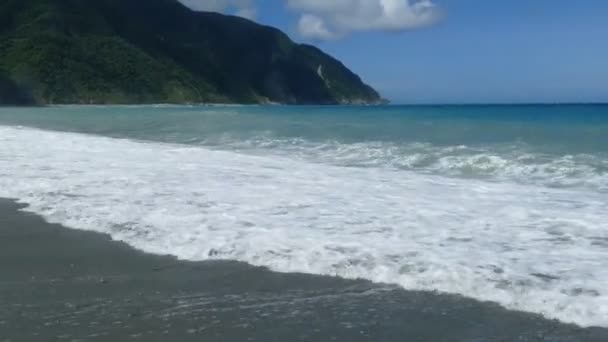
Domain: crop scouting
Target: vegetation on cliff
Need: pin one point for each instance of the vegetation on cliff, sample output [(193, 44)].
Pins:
[(159, 51)]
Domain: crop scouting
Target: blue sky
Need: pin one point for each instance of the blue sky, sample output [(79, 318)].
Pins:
[(470, 51)]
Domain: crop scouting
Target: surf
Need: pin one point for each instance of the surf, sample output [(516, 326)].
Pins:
[(525, 246)]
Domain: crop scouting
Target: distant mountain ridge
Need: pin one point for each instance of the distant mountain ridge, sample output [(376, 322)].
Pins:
[(159, 51)]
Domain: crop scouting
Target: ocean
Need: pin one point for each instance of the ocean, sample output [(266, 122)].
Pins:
[(500, 204)]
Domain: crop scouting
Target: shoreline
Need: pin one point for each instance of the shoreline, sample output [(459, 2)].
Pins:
[(76, 285), (261, 104)]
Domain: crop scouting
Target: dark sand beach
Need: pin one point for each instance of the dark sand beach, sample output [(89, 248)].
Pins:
[(58, 284)]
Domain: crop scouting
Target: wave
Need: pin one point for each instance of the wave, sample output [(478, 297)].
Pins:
[(527, 247), (511, 162)]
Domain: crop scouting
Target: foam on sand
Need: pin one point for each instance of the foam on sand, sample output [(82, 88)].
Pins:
[(527, 247)]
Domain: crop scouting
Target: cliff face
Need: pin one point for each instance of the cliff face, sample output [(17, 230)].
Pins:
[(133, 51), (11, 94)]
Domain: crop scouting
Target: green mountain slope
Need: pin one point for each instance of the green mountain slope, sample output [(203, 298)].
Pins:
[(11, 94), (133, 51)]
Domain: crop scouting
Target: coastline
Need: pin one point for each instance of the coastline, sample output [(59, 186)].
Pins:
[(75, 285), (262, 104), (205, 104)]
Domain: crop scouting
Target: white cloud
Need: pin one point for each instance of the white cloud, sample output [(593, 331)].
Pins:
[(333, 19), (247, 12), (243, 8), (324, 19), (313, 27)]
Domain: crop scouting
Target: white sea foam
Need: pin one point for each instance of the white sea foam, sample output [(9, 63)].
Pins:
[(527, 247), (513, 163)]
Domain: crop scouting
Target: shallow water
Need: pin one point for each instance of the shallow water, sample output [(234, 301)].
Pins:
[(498, 203), (69, 285)]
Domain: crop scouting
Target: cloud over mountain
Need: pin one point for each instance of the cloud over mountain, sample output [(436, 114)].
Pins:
[(243, 8), (326, 20)]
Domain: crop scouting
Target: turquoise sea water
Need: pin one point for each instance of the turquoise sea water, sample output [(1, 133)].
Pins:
[(500, 203)]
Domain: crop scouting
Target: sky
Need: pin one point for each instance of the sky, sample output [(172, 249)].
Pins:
[(452, 51)]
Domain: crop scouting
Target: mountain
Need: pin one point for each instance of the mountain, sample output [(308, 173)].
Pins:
[(11, 94), (159, 51)]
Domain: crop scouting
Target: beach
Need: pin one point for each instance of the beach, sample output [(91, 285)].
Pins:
[(303, 170), (59, 284)]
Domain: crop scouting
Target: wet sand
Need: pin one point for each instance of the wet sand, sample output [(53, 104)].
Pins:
[(59, 284)]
